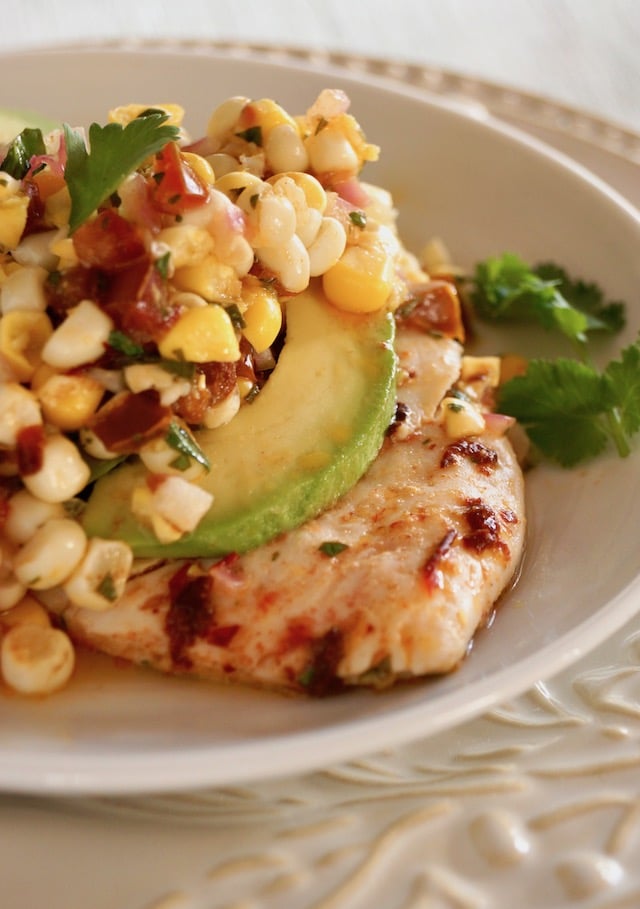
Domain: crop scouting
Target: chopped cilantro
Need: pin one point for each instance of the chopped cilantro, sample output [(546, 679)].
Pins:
[(253, 134), (182, 368), (358, 218), (162, 265), (107, 588), (505, 287), (19, 154), (571, 410), (125, 345), (235, 315), (332, 548), (183, 442), (114, 152)]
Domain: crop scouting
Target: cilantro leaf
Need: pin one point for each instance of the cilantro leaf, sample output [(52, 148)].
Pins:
[(186, 447), (28, 143), (114, 152), (506, 287), (586, 296), (571, 411)]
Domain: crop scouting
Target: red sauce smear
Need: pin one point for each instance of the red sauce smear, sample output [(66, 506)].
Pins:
[(476, 452), (432, 570), (484, 528), (189, 615), (320, 678)]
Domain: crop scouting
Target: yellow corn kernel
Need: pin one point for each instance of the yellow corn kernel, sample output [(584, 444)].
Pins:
[(245, 386), (201, 335), (361, 280), (68, 401), (210, 279), (265, 114), (187, 243), (57, 208), (263, 317), (66, 252), (13, 220), (128, 112), (23, 334), (481, 371), (232, 183), (461, 418), (201, 167), (27, 612), (313, 190)]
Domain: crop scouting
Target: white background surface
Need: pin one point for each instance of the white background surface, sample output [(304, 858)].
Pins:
[(582, 52)]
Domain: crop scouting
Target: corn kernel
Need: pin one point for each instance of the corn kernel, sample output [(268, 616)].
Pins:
[(361, 280), (63, 474), (263, 318), (28, 611), (23, 336), (19, 408), (211, 279), (187, 243), (57, 208), (461, 418), (52, 553), (36, 660), (68, 401), (13, 220), (99, 580), (201, 168), (27, 514), (80, 339), (201, 335), (225, 116), (266, 115), (128, 112)]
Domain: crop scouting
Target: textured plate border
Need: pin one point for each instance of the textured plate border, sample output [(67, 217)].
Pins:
[(508, 807), (502, 101)]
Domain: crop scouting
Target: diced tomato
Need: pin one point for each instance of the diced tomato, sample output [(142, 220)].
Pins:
[(65, 289), (175, 185), (138, 302), (109, 241)]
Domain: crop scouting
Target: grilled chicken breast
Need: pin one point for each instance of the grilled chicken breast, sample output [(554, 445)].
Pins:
[(390, 583)]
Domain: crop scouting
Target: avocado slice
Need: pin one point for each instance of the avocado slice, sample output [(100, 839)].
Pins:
[(306, 439)]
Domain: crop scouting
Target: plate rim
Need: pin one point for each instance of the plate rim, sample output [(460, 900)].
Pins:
[(70, 780)]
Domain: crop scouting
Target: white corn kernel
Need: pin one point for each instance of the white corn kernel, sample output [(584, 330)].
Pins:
[(225, 116), (63, 473), (461, 418), (35, 660), (222, 412), (95, 447), (222, 164), (35, 250), (187, 243), (290, 263), (24, 289), (80, 339), (271, 217), (331, 152), (142, 376), (26, 514), (99, 580), (285, 150), (328, 246), (19, 408), (50, 556)]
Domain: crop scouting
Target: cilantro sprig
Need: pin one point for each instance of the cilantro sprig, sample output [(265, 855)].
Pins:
[(28, 143), (572, 411), (505, 287), (114, 152)]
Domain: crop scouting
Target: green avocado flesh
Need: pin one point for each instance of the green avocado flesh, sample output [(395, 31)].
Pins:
[(306, 439), (13, 122)]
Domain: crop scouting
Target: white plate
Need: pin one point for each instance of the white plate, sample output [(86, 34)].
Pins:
[(484, 188)]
